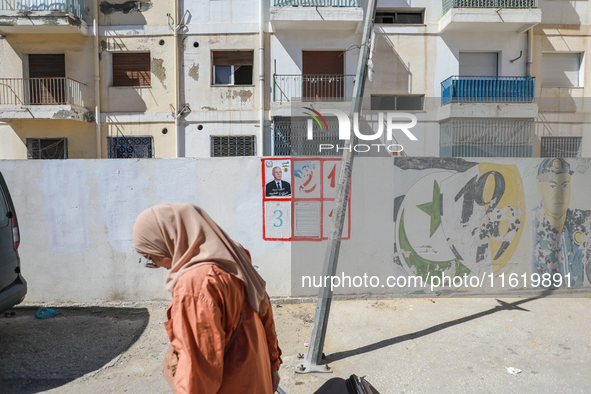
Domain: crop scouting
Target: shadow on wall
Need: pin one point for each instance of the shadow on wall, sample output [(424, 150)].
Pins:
[(126, 99), (127, 13), (388, 64), (38, 355), (294, 52), (560, 12)]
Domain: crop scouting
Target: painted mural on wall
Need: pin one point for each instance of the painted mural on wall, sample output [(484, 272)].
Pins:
[(462, 217), (562, 243)]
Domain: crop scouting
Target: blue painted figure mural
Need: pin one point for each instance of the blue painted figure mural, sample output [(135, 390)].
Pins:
[(562, 236)]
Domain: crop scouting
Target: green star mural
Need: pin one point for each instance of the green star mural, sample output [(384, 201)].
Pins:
[(433, 209)]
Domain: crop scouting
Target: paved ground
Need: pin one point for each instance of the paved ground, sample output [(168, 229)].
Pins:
[(402, 346)]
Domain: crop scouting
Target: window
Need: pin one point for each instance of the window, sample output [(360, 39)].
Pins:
[(405, 17), (561, 69), (397, 103), (226, 146), (133, 147), (232, 67), (290, 136), (561, 147), (131, 69), (47, 148)]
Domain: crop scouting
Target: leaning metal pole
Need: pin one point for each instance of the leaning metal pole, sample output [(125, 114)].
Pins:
[(313, 360)]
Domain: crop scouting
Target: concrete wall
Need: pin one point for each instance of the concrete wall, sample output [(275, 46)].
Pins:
[(120, 13), (76, 218)]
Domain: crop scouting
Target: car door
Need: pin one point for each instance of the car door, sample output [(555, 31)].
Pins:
[(8, 256)]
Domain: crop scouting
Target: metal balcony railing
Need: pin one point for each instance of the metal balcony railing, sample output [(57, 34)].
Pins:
[(317, 3), (310, 87), (76, 7), (41, 91), (459, 89), (516, 4)]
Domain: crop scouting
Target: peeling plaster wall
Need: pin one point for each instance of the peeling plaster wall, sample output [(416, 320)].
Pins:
[(126, 13), (221, 110), (198, 88), (76, 218)]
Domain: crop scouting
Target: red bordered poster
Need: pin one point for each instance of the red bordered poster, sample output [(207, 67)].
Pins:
[(298, 198)]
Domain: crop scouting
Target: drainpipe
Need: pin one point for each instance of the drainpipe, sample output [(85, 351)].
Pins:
[(261, 78), (177, 76), (530, 47), (97, 82), (176, 26)]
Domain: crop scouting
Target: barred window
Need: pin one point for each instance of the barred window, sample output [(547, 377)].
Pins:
[(290, 136), (486, 137), (133, 147), (47, 148), (230, 145), (561, 147)]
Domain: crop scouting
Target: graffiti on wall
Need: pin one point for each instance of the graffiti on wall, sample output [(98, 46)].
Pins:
[(456, 217)]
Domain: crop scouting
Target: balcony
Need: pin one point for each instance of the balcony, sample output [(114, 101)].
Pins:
[(459, 89), (42, 17), (488, 97), (42, 98), (316, 14), (489, 15), (317, 87)]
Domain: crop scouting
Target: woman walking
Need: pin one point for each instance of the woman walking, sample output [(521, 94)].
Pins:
[(220, 321)]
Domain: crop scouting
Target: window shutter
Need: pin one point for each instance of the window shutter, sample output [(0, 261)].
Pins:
[(232, 58), (131, 69), (560, 69), (323, 62), (478, 64)]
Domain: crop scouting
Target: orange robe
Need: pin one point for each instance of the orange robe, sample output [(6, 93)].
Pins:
[(204, 312)]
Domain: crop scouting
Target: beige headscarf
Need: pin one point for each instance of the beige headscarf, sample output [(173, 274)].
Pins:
[(188, 235)]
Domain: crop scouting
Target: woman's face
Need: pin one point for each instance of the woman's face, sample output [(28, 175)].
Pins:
[(159, 261)]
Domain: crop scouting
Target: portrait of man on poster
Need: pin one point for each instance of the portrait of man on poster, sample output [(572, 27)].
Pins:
[(277, 187)]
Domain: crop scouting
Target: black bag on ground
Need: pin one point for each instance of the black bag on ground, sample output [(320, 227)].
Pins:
[(353, 385)]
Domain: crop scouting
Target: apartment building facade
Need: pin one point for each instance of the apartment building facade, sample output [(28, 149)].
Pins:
[(109, 79)]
